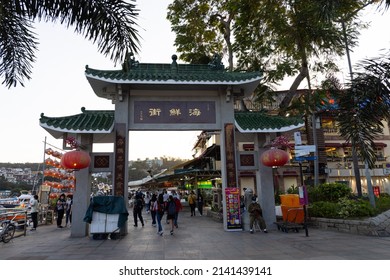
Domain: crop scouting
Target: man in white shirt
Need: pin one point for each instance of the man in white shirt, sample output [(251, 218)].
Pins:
[(34, 211)]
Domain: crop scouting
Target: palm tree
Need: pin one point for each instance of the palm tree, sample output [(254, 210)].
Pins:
[(109, 23), (365, 106)]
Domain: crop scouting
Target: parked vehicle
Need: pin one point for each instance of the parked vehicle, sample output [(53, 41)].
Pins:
[(7, 227)]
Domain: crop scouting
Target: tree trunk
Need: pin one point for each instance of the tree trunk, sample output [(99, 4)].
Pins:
[(293, 89)]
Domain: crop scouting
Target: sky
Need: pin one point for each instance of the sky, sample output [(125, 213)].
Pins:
[(59, 87)]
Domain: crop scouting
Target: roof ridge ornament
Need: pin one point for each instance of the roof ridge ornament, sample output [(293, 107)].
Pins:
[(129, 62), (174, 66), (216, 62)]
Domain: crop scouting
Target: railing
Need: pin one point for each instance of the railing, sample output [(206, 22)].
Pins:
[(20, 219), (23, 217)]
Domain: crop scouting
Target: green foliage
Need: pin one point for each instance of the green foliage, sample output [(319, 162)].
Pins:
[(198, 31), (354, 208), (324, 209), (277, 194), (260, 34), (328, 192), (109, 24), (292, 190), (365, 105), (349, 207), (383, 203), (342, 209), (335, 200)]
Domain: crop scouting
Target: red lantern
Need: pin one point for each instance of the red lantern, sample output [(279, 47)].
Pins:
[(75, 160), (274, 157)]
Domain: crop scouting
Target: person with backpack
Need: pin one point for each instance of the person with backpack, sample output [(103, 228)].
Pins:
[(179, 207), (192, 202), (171, 212), (153, 211), (137, 209), (159, 208)]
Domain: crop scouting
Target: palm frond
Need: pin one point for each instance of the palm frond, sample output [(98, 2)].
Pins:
[(17, 47), (111, 24)]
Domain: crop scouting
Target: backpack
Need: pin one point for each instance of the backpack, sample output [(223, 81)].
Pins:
[(178, 204), (139, 204), (160, 207), (191, 199), (171, 208)]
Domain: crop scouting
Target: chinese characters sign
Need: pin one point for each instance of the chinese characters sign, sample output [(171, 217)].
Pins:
[(233, 208), (230, 156), (120, 150), (174, 112)]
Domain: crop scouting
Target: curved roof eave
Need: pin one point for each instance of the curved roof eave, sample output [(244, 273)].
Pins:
[(81, 131), (268, 130), (172, 81), (100, 84)]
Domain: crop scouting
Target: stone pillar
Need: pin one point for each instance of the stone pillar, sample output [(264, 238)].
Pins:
[(265, 191), (121, 147), (82, 194), (265, 186)]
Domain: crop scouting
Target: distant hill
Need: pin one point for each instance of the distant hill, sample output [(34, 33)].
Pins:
[(33, 166)]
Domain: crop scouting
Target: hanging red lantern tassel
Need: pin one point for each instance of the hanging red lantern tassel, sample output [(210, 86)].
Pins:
[(75, 160), (274, 157)]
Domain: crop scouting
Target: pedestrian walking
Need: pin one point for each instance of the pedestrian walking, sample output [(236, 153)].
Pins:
[(160, 208), (152, 209), (147, 202), (137, 209), (34, 212), (171, 212), (60, 209), (199, 201), (179, 207), (69, 204), (192, 202), (166, 197)]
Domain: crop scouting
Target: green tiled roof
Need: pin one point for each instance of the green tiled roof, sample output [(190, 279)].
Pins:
[(107, 83), (174, 73), (152, 73), (86, 122), (103, 122), (250, 122)]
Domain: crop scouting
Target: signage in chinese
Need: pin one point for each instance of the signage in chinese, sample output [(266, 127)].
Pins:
[(120, 150), (174, 112), (230, 156), (233, 218)]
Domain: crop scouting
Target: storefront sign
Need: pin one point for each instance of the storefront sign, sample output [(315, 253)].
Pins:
[(233, 218), (154, 112)]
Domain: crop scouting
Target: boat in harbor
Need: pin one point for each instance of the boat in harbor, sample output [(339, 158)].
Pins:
[(22, 201), (10, 202)]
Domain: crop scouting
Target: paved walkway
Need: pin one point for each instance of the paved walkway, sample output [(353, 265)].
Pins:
[(197, 238)]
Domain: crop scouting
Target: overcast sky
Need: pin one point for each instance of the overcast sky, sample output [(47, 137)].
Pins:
[(59, 88)]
